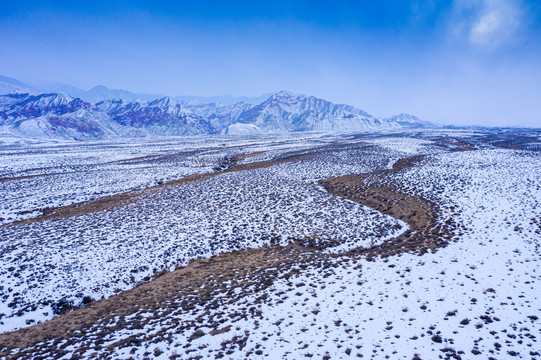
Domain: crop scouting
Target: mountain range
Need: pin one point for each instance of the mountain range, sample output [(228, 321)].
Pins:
[(60, 116)]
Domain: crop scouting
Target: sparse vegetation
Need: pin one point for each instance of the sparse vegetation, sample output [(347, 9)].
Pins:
[(262, 262)]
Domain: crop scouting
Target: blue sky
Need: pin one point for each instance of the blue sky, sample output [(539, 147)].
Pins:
[(456, 61)]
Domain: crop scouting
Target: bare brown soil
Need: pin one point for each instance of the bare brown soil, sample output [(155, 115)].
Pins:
[(517, 142), (181, 283), (376, 191), (196, 283)]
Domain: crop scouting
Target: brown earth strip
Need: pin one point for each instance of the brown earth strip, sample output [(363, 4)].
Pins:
[(123, 199), (12, 178), (145, 157), (30, 170), (196, 283), (4, 179), (246, 156), (378, 191)]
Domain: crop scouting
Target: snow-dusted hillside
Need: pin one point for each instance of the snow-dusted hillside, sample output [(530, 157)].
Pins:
[(55, 116), (160, 117), (220, 116), (283, 112)]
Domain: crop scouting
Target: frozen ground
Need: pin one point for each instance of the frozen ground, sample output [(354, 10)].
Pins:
[(53, 264), (35, 176), (477, 297)]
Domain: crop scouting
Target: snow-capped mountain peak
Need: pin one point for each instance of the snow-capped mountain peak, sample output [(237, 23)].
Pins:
[(53, 99), (284, 97), (165, 102), (282, 94)]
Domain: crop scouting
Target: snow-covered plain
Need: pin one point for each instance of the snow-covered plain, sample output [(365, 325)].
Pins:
[(98, 254), (50, 174), (479, 297)]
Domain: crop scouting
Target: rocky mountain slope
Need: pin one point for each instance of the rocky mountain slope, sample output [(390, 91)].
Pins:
[(161, 117), (283, 112), (57, 115)]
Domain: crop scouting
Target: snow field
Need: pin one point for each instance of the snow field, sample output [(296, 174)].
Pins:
[(99, 254), (478, 296)]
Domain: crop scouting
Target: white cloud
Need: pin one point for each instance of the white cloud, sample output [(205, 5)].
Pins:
[(487, 23)]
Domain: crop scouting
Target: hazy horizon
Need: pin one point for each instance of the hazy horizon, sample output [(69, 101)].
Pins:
[(446, 62)]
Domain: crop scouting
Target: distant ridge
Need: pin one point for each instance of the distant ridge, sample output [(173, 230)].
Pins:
[(9, 85), (61, 116), (100, 93)]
